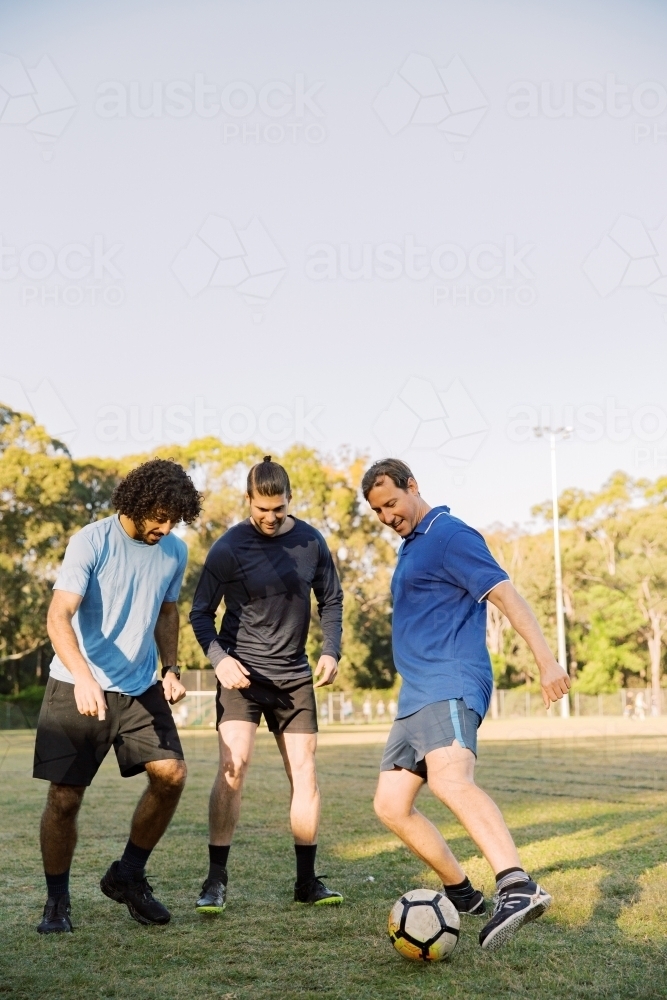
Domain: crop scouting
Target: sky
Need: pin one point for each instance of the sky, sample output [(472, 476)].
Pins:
[(413, 228)]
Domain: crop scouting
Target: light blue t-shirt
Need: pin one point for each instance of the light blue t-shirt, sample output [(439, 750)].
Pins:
[(123, 583)]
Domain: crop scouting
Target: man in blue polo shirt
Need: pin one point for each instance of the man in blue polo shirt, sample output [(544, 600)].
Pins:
[(444, 576)]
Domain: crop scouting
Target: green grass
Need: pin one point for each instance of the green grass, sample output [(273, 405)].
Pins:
[(590, 818)]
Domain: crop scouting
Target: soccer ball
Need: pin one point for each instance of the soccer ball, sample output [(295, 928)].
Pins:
[(424, 925)]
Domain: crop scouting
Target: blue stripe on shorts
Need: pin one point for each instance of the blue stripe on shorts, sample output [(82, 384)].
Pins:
[(432, 727)]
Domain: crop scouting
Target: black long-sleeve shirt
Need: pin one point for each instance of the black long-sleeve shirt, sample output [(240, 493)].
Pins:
[(265, 583)]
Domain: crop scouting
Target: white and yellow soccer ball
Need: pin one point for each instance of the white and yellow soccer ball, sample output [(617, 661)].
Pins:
[(424, 926)]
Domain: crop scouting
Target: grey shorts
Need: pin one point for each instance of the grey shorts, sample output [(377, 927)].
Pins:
[(437, 725)]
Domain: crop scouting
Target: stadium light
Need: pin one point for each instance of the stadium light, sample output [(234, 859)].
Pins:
[(554, 433)]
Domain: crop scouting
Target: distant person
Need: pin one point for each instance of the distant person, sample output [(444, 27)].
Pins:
[(379, 710), (114, 601), (640, 705), (444, 575), (392, 708), (367, 710), (265, 569)]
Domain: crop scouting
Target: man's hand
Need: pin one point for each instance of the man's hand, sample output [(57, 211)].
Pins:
[(232, 674), (328, 668), (89, 697), (555, 682), (88, 694), (172, 687)]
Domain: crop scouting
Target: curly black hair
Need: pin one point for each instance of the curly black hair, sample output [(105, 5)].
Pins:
[(159, 488)]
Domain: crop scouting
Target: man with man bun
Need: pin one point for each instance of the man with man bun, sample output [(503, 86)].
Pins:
[(265, 569)]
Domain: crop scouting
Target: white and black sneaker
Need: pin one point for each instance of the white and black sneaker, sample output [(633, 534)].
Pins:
[(511, 910)]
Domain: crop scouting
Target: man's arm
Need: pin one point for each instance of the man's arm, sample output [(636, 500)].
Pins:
[(166, 637), (88, 694), (329, 596), (208, 595), (554, 680)]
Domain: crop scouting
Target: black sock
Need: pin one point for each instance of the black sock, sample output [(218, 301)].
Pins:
[(133, 861), (511, 878), (57, 885), (217, 861), (462, 891), (305, 862)]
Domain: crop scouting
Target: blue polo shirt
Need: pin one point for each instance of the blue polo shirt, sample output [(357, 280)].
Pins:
[(443, 574)]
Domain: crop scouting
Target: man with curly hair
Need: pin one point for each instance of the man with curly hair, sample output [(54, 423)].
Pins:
[(113, 609)]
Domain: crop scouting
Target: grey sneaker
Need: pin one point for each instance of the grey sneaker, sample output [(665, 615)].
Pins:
[(511, 910)]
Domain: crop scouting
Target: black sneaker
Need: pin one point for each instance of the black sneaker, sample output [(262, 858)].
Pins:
[(513, 909), (137, 895), (474, 906), (213, 897), (56, 918), (316, 893)]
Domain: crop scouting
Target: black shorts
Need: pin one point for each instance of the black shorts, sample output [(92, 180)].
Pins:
[(287, 708), (70, 747)]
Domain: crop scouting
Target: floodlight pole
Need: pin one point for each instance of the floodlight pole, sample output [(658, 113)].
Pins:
[(560, 611)]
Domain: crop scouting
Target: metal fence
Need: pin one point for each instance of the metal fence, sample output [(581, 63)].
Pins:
[(197, 710), (378, 707), (633, 703)]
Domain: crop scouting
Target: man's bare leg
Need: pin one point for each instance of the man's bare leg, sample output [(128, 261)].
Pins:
[(125, 880), (451, 778), (298, 753), (395, 807), (236, 741), (166, 780), (58, 836), (58, 830)]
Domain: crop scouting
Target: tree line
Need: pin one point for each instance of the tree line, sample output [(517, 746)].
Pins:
[(614, 547)]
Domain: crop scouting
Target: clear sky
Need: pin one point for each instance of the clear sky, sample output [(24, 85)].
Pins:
[(411, 227)]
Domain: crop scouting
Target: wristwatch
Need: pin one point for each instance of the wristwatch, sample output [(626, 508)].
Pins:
[(174, 670)]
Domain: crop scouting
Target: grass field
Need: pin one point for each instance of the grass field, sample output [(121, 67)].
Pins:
[(590, 818)]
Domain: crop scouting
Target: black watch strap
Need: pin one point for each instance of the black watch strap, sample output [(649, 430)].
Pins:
[(174, 670)]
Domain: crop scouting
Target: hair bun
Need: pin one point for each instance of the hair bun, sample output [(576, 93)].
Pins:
[(267, 458)]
